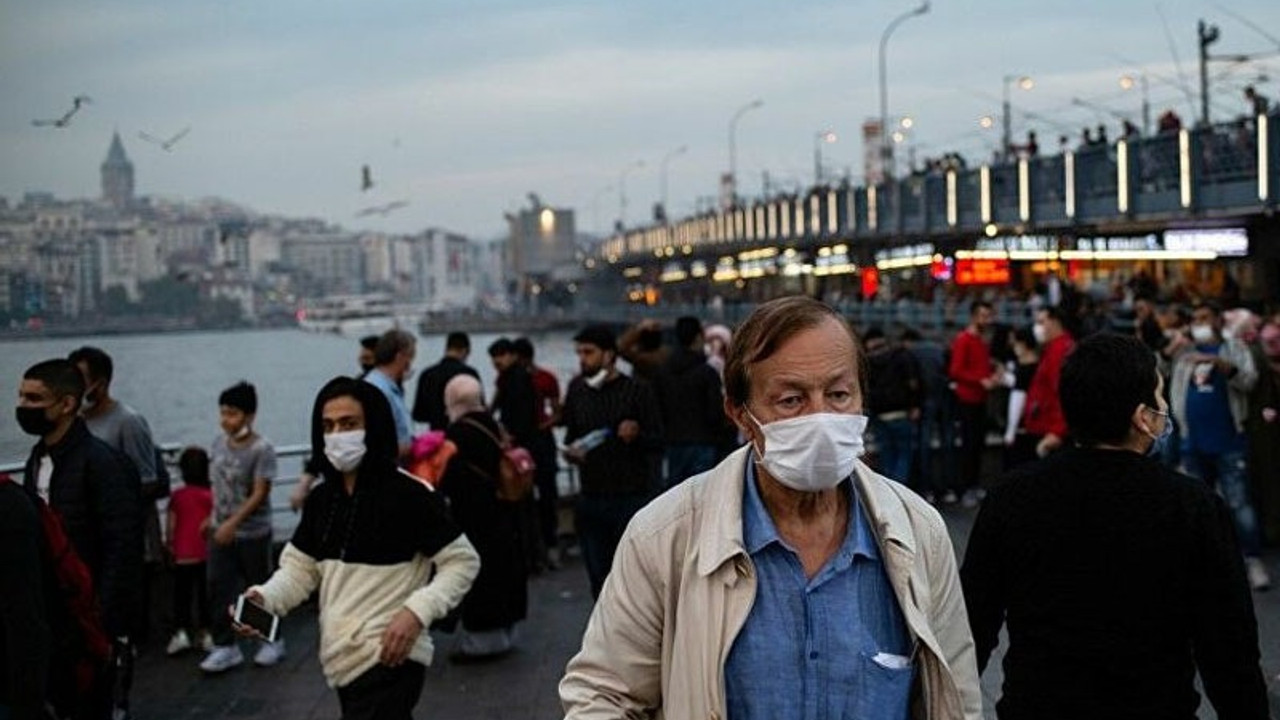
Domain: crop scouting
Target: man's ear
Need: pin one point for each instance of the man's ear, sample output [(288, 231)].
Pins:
[(1138, 419)]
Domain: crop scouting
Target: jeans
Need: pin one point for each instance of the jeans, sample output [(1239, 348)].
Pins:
[(1228, 472), (232, 568), (684, 460), (893, 445), (935, 422), (383, 693), (599, 521)]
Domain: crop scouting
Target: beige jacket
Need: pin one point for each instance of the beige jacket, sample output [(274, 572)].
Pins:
[(682, 585)]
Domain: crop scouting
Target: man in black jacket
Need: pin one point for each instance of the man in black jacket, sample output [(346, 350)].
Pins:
[(692, 403), (428, 403), (93, 488), (613, 429), (1118, 577)]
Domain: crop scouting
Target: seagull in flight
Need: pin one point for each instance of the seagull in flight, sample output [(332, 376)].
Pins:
[(65, 120), (166, 145), (366, 178), (383, 210)]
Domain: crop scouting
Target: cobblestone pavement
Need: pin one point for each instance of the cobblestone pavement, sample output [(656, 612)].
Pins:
[(520, 686)]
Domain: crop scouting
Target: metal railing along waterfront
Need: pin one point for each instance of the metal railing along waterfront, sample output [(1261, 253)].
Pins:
[(290, 459)]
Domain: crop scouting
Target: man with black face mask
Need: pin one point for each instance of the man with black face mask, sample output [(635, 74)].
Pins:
[(97, 493)]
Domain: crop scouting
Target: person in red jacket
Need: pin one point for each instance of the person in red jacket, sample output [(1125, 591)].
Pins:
[(973, 374), (1042, 418)]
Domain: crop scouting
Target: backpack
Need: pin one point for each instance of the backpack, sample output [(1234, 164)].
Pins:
[(515, 466), (77, 599)]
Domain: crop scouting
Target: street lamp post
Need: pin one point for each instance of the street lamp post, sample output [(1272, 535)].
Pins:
[(733, 147), (662, 174), (820, 137), (622, 192), (886, 149), (1025, 83), (1126, 82)]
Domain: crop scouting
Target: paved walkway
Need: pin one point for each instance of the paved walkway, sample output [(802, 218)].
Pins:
[(521, 686)]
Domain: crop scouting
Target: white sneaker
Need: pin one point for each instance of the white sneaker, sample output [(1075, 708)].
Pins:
[(949, 498), (222, 658), (1259, 579), (970, 499), (269, 653), (178, 643)]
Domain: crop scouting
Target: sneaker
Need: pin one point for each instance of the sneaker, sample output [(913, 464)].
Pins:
[(949, 498), (222, 658), (206, 641), (1259, 579), (178, 643), (269, 653), (970, 499)]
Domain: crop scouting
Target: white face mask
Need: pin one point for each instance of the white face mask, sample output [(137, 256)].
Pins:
[(595, 382), (1202, 334), (1040, 333), (345, 449), (813, 452)]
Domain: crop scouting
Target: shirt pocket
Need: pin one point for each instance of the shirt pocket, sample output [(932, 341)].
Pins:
[(883, 687)]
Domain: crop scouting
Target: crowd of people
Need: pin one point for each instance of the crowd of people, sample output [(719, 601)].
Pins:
[(733, 487)]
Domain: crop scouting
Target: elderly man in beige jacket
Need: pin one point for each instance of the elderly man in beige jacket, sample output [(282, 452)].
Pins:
[(790, 580)]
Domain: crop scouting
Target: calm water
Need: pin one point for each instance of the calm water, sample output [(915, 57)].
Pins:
[(174, 379)]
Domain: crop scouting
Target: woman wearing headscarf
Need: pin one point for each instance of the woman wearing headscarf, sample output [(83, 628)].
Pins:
[(498, 599)]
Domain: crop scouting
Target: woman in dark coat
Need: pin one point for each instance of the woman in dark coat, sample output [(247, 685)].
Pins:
[(498, 599)]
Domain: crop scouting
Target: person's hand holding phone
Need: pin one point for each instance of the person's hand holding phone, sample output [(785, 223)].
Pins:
[(240, 628)]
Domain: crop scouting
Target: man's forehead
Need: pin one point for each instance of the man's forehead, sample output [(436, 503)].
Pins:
[(30, 386)]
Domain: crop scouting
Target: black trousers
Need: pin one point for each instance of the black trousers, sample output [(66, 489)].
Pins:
[(383, 693), (190, 581), (973, 440)]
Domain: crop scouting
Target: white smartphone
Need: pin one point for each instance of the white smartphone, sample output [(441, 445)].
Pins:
[(253, 615)]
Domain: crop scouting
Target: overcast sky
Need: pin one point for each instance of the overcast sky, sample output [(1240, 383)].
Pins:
[(462, 107)]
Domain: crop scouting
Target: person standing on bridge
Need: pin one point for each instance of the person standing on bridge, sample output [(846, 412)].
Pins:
[(380, 548), (790, 580), (1118, 578)]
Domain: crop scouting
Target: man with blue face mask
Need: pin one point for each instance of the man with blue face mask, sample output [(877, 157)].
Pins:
[(1119, 579), (790, 580)]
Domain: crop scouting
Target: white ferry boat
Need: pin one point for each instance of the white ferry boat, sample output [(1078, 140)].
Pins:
[(351, 315)]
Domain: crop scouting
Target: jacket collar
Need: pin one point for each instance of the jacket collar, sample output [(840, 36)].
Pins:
[(721, 537)]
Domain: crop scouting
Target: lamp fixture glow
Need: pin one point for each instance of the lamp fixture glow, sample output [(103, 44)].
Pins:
[(1024, 190), (1069, 179), (984, 192), (1122, 176), (952, 209), (1264, 158), (1184, 167)]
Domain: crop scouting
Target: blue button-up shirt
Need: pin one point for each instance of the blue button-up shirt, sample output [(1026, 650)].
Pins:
[(834, 646), (395, 397)]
